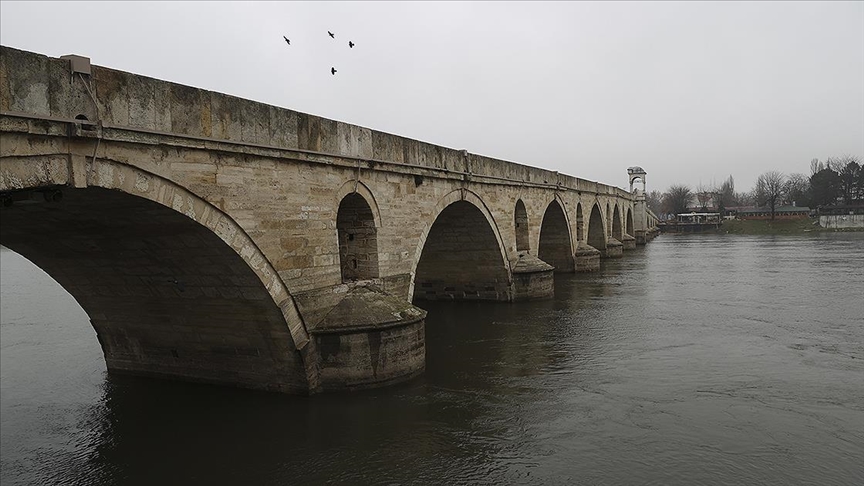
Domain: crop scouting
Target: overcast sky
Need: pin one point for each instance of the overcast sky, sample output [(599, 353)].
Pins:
[(692, 92)]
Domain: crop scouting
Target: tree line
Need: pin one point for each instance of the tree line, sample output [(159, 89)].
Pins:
[(836, 180)]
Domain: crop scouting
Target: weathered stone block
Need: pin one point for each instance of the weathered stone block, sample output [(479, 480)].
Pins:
[(28, 82)]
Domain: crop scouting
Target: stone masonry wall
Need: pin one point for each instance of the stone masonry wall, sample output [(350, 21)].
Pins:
[(253, 162)]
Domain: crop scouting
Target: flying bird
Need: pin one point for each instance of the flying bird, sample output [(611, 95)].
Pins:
[(331, 34), (333, 71), (286, 40), (350, 44)]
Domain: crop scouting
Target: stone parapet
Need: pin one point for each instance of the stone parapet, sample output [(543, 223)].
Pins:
[(153, 105)]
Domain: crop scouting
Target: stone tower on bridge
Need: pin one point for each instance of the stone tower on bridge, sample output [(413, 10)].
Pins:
[(645, 221)]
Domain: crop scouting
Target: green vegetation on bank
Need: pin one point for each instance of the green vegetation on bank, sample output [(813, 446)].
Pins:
[(776, 227)]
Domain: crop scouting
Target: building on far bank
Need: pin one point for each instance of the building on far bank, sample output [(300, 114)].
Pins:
[(691, 222), (700, 218), (780, 212)]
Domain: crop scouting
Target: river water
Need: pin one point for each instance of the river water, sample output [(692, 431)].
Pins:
[(698, 359)]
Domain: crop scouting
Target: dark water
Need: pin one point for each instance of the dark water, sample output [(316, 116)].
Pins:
[(699, 359)]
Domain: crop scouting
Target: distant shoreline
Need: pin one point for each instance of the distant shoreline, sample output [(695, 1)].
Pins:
[(777, 227)]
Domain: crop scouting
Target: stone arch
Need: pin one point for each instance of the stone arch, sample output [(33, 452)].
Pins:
[(520, 216), (354, 186), (596, 228), (357, 234), (617, 229), (173, 286), (460, 253), (555, 247), (630, 222)]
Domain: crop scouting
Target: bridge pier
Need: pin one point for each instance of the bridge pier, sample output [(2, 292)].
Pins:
[(614, 249), (364, 337), (629, 242), (532, 278), (587, 258)]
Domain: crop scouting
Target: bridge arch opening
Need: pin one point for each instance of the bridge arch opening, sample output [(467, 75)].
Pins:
[(358, 239), (461, 258), (596, 233), (630, 222), (521, 225), (555, 246), (165, 291), (617, 232), (580, 223)]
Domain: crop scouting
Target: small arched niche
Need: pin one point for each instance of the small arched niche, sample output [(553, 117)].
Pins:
[(358, 239), (580, 223)]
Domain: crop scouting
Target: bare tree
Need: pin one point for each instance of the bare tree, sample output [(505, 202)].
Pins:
[(744, 199), (704, 195), (816, 166), (769, 189), (837, 164), (676, 199), (654, 200), (797, 189)]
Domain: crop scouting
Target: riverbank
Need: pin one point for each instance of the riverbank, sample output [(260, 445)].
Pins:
[(776, 227)]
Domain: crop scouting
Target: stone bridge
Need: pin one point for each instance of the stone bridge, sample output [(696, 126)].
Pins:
[(216, 239)]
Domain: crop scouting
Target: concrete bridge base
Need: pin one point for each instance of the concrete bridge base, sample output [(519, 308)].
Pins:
[(629, 242), (532, 278), (587, 258), (365, 337)]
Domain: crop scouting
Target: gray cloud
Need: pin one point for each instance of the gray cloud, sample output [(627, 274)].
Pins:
[(693, 92)]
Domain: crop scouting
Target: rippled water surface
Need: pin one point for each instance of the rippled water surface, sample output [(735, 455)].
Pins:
[(698, 359)]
